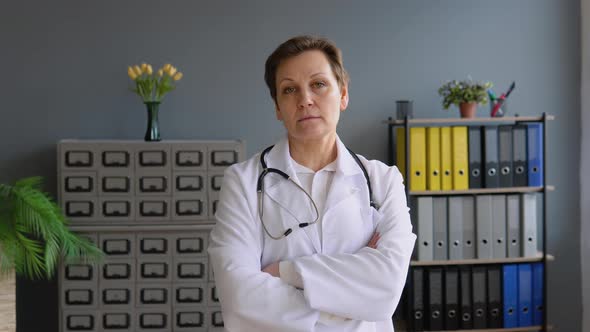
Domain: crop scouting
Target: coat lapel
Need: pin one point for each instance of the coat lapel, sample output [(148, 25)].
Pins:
[(346, 179)]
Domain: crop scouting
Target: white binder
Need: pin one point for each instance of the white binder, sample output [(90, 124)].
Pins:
[(483, 226), (529, 225), (455, 227), (425, 232), (513, 225), (499, 226)]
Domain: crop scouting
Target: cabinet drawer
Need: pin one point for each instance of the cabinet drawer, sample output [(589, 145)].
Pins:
[(189, 294), (153, 183), (118, 245), (190, 208), (118, 270), (79, 320), (189, 156), (116, 294), (190, 319), (153, 295), (76, 183), (117, 320), (189, 183)]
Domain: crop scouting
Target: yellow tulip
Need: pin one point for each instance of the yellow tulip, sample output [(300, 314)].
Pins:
[(167, 67), (160, 72), (137, 70), (144, 67), (178, 76), (171, 71), (131, 73), (149, 69)]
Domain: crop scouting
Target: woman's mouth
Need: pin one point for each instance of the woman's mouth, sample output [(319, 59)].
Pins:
[(308, 118)]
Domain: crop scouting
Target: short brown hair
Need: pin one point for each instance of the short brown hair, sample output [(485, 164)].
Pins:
[(296, 46)]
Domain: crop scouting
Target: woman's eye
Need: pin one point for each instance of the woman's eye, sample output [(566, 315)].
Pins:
[(319, 84), (288, 90)]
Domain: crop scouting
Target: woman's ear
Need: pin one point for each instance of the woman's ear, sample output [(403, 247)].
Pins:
[(344, 98)]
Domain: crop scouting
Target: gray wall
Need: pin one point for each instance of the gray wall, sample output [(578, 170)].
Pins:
[(584, 165), (63, 68)]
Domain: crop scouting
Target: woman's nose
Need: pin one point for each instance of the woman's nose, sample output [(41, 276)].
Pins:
[(305, 99)]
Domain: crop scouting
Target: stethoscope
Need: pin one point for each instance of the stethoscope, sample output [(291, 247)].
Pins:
[(260, 190)]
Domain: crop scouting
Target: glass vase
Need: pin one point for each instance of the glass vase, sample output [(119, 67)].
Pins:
[(152, 133)]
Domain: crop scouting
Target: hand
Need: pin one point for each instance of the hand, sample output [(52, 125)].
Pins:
[(272, 269), (373, 241)]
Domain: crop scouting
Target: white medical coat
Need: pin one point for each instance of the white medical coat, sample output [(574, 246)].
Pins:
[(341, 276)]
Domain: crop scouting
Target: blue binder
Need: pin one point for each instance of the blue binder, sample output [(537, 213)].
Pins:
[(538, 294), (525, 296), (510, 295), (535, 154)]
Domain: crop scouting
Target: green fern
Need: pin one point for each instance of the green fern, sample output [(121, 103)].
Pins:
[(33, 232)]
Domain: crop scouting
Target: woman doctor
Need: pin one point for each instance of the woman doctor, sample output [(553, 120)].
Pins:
[(305, 240)]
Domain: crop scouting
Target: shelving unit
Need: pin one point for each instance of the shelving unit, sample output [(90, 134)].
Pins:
[(543, 257)]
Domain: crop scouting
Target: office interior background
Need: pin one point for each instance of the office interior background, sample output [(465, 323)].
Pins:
[(64, 75)]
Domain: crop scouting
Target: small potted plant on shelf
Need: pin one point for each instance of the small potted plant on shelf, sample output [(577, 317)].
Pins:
[(465, 94), (34, 238)]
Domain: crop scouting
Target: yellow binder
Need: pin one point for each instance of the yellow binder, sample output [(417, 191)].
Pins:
[(417, 158), (460, 160), (446, 161), (433, 158)]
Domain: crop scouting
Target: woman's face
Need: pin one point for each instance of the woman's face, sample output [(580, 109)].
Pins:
[(309, 100)]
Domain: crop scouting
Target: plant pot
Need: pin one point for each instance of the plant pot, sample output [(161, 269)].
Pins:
[(468, 110), (152, 133), (8, 302)]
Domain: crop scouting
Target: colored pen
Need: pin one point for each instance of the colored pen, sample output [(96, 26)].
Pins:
[(510, 89), (491, 94)]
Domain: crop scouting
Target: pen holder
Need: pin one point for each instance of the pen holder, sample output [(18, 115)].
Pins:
[(501, 106), (404, 108)]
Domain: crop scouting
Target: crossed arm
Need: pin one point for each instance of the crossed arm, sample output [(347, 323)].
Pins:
[(275, 270)]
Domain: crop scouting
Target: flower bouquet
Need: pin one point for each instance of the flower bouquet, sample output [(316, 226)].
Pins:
[(152, 87)]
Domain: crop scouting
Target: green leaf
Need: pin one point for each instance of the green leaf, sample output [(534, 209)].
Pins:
[(34, 233)]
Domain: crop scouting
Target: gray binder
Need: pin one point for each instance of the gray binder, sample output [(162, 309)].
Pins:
[(483, 226), (425, 233), (505, 155), (439, 219), (469, 241), (475, 164), (491, 157), (529, 225), (499, 226), (519, 156), (455, 222), (513, 225)]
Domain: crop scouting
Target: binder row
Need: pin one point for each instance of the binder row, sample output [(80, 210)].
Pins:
[(478, 297), (460, 157), (482, 227)]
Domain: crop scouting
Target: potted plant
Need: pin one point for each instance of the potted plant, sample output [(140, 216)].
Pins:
[(34, 237), (465, 94)]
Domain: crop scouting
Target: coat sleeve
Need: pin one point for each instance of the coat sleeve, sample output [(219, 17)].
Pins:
[(251, 300), (366, 285)]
